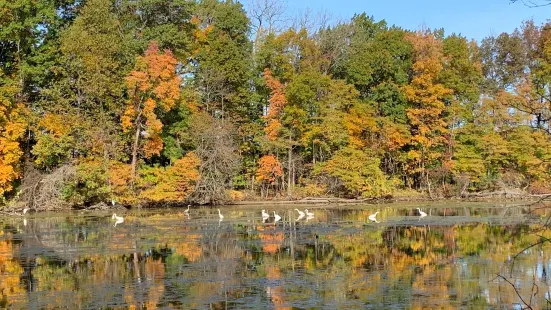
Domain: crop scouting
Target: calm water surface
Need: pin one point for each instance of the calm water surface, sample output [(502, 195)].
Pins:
[(336, 260)]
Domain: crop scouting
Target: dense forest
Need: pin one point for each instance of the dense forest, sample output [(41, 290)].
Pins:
[(156, 101)]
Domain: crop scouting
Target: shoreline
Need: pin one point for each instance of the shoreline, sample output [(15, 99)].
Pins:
[(478, 197)]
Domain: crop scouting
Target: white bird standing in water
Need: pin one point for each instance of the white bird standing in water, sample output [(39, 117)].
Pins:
[(220, 215), (276, 217), (118, 219), (373, 217), (421, 213), (265, 215), (308, 213), (187, 211)]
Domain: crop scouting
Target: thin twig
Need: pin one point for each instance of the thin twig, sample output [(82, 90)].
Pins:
[(542, 241), (516, 291), (534, 285), (532, 4)]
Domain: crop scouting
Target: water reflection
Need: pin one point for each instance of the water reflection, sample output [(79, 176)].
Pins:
[(338, 258)]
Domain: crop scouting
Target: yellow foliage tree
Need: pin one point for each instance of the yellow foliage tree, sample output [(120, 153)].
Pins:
[(54, 139), (174, 183), (425, 95), (358, 172), (12, 128), (359, 123), (119, 179)]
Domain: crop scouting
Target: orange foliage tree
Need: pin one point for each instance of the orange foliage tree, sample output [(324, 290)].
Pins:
[(153, 87), (269, 170), (269, 166), (12, 128), (277, 103), (425, 95)]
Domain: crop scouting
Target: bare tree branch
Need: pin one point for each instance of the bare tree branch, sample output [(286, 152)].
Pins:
[(311, 20), (267, 16), (528, 306), (533, 3)]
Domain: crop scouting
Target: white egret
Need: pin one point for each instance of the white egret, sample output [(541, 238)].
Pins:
[(265, 215), (118, 219), (187, 211), (220, 215), (25, 211), (373, 217), (421, 213), (113, 202), (300, 213), (308, 213), (276, 217)]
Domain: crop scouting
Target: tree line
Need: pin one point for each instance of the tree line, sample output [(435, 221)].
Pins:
[(151, 101)]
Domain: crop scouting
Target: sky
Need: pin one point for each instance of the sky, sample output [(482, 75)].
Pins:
[(474, 19)]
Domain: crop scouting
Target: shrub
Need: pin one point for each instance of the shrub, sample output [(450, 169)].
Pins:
[(358, 172)]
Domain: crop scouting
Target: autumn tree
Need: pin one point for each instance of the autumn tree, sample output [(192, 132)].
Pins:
[(531, 88), (356, 173), (12, 127), (269, 171), (153, 88), (516, 107), (171, 184), (376, 59), (426, 94), (273, 117), (277, 103), (296, 86)]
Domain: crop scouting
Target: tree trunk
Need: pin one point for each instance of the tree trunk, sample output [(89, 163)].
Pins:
[(313, 153), (19, 63), (289, 172), (135, 152), (428, 185), (262, 191)]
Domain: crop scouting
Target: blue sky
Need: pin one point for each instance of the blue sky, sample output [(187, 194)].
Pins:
[(473, 19)]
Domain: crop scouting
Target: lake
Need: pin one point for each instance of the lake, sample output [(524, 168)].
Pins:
[(338, 259)]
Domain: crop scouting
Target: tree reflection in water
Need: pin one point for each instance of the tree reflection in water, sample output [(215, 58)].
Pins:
[(337, 260)]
